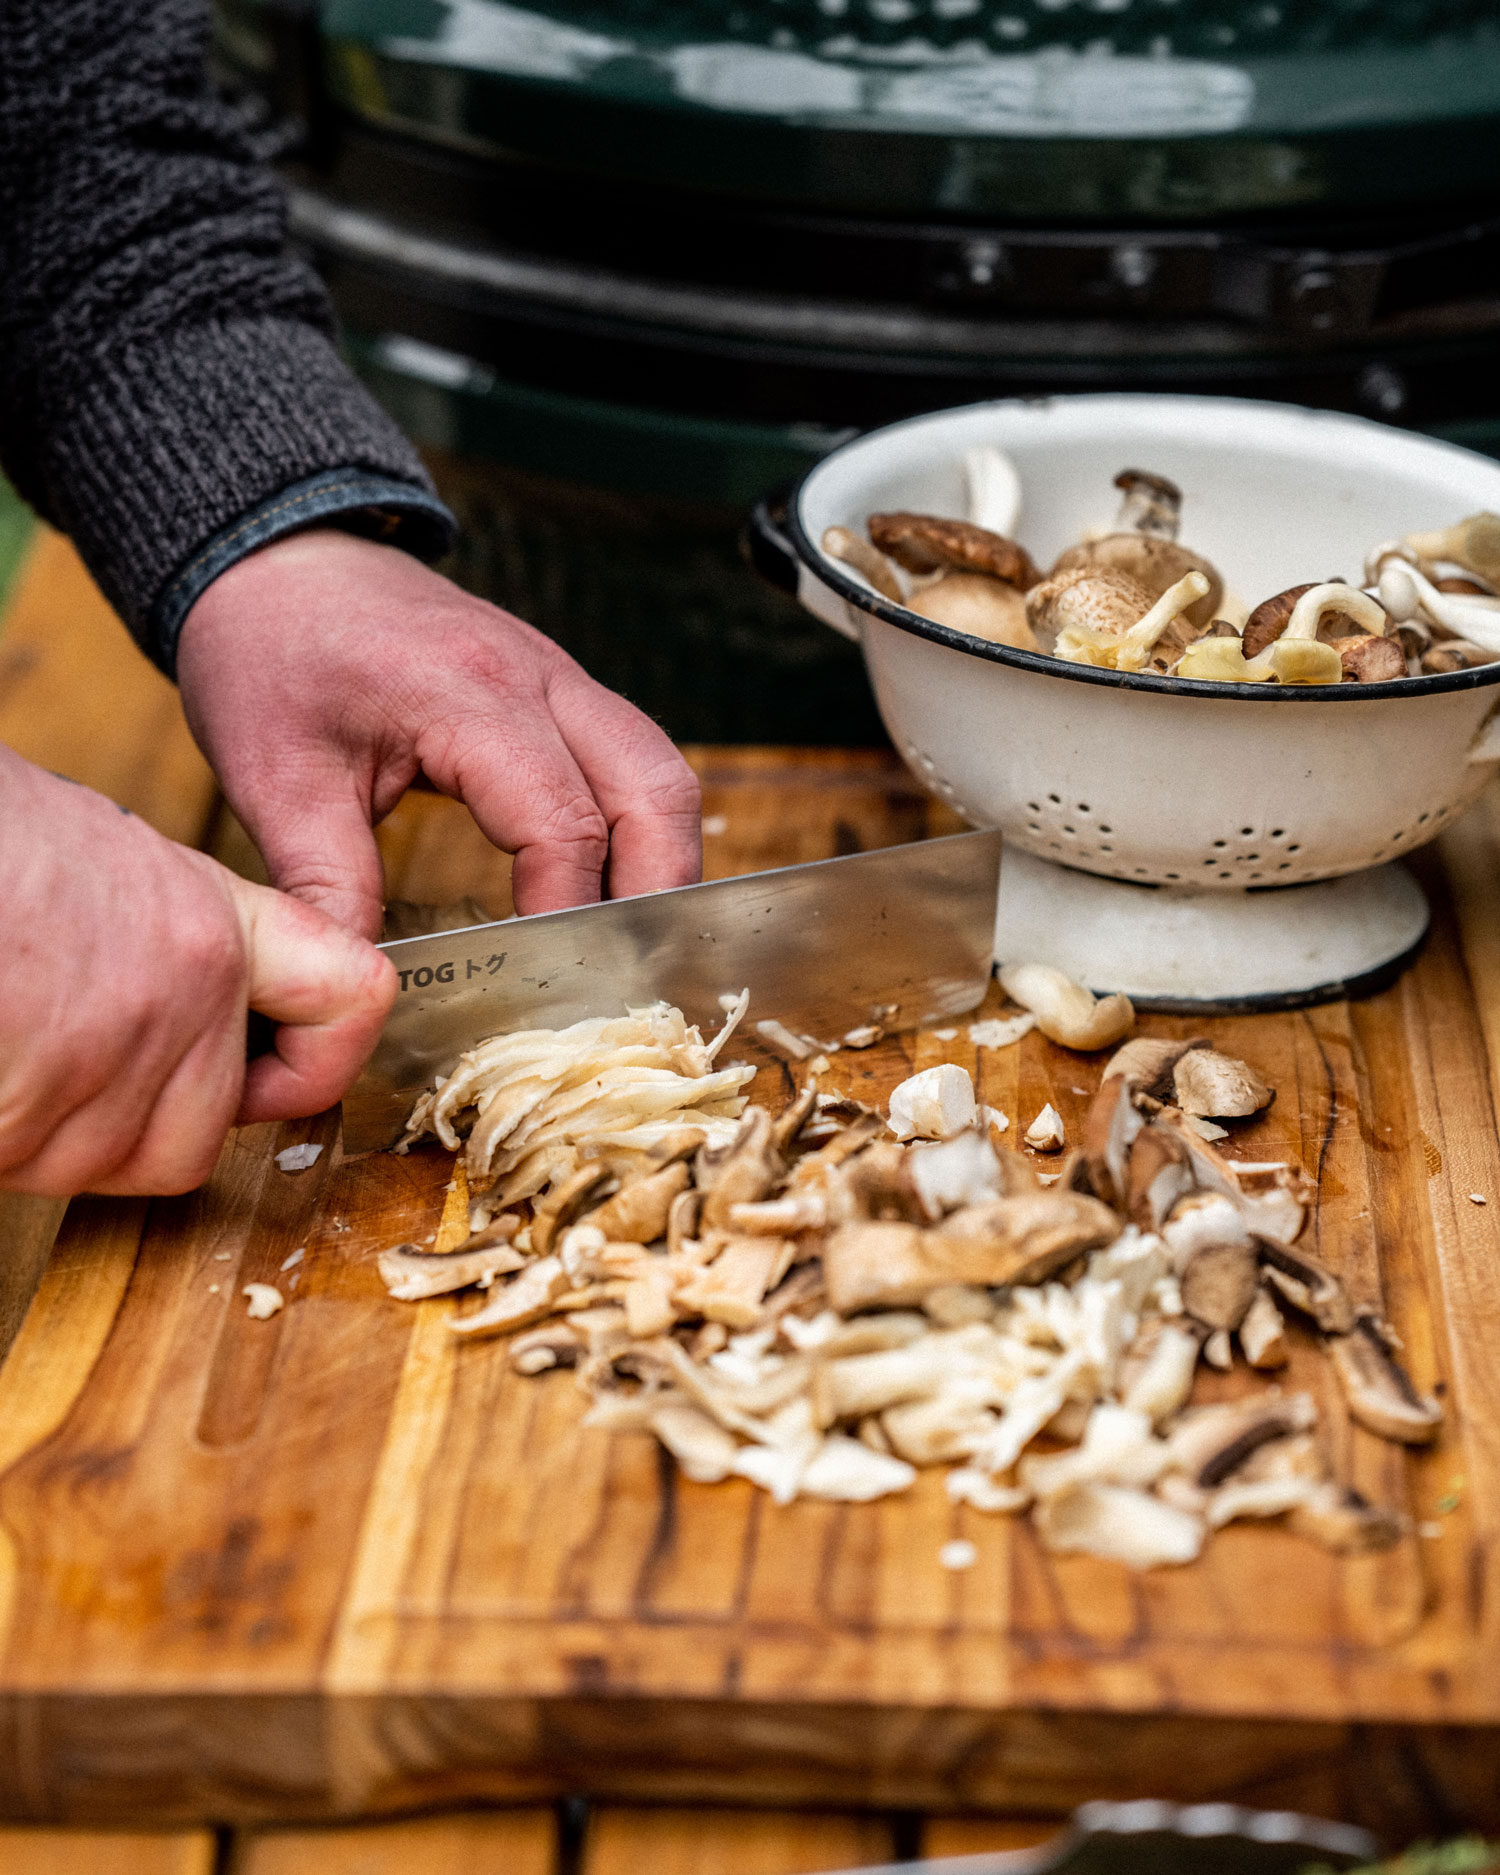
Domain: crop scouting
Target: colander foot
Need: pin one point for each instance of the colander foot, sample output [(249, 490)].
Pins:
[(1209, 953)]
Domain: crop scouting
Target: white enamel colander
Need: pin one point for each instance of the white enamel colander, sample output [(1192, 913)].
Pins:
[(1261, 820)]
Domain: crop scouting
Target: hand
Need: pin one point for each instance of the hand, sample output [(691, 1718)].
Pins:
[(129, 964), (323, 673)]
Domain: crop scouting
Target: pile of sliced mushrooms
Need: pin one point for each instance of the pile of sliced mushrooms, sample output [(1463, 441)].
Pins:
[(1133, 598), (829, 1300)]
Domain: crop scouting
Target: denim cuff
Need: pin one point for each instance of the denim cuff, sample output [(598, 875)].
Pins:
[(378, 507)]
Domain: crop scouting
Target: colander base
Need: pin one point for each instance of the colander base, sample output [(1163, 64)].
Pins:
[(1212, 952)]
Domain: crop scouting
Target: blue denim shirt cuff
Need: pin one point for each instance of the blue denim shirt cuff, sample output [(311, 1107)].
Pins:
[(378, 507)]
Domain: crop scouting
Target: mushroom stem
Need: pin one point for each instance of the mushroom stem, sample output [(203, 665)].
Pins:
[(1135, 645), (1152, 504), (839, 543), (1404, 592), (1333, 596), (1474, 543), (994, 489)]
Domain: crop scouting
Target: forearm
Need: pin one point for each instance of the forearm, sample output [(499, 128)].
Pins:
[(169, 368)]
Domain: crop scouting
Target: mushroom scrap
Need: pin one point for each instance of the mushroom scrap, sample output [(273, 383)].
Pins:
[(827, 1302), (1133, 598)]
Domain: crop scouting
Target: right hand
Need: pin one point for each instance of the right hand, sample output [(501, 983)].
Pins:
[(128, 966)]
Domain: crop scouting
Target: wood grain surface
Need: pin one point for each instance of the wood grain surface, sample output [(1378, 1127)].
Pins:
[(337, 1562)]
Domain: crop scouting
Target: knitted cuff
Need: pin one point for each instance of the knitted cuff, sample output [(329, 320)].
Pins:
[(183, 435), (374, 506)]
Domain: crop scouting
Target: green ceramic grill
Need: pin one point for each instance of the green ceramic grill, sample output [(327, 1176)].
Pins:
[(622, 267)]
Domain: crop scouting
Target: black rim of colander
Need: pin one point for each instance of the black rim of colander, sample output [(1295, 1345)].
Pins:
[(843, 583)]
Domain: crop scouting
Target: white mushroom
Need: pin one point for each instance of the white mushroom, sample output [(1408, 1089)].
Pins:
[(1405, 593), (525, 1299), (1160, 1387), (848, 1472), (1121, 1524), (704, 1450), (1263, 1333), (1377, 1387), (1046, 1132), (1065, 1011), (265, 1299), (1001, 1031), (1217, 1087), (935, 1104), (953, 1172), (994, 489)]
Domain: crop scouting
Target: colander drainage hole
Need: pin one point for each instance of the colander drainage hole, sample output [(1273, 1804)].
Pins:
[(1084, 808), (1422, 819), (1278, 833), (1055, 799), (1247, 831), (1217, 843), (1035, 806), (1104, 829)]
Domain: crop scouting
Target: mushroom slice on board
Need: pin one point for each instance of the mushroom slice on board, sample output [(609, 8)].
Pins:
[(1217, 1087), (411, 1274), (1309, 1286), (930, 543), (1220, 1284), (1110, 1129), (1147, 1063), (1378, 1388), (1263, 1333), (1119, 1523), (934, 1104), (522, 1301)]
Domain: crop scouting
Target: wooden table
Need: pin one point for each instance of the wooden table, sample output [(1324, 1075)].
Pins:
[(337, 1564)]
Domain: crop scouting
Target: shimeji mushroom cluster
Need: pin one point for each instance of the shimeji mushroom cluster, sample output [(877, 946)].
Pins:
[(1133, 598), (827, 1301)]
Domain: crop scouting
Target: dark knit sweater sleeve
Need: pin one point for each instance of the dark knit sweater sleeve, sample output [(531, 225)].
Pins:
[(166, 366)]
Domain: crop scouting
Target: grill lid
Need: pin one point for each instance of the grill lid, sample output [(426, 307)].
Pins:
[(1184, 109)]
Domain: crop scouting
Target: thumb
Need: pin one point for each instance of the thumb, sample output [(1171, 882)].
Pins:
[(329, 990), (324, 854)]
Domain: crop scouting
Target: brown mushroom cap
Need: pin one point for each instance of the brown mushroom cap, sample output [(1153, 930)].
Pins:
[(1152, 504), (1088, 598), (1153, 563), (1368, 658), (1456, 655), (1269, 620), (925, 543)]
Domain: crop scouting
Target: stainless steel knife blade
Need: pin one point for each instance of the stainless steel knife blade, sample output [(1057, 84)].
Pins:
[(819, 947)]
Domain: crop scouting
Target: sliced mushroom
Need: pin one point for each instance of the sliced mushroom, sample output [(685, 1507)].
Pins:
[(1474, 543), (1110, 1128), (952, 1172), (1309, 1286), (1012, 1240), (1217, 1087), (1340, 1519), (1369, 659), (554, 1344), (839, 543), (788, 1125), (1120, 1524), (926, 543), (704, 1451), (979, 606), (638, 1212), (1065, 1011), (1147, 1063), (935, 1104), (848, 1472), (1263, 1333), (1219, 1285), (1046, 1132), (411, 1274), (1213, 1442), (1159, 1175), (1158, 1381), (1378, 1388), (522, 1301), (743, 1172), (552, 1215)]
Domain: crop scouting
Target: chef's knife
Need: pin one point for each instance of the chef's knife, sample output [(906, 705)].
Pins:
[(904, 935)]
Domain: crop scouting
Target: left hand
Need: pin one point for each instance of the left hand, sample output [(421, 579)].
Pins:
[(322, 673)]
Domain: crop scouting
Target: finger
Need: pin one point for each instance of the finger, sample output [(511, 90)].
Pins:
[(330, 991), (529, 796), (648, 794), (184, 1134), (325, 854)]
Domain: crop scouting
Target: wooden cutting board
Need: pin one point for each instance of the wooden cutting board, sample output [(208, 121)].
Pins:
[(339, 1562)]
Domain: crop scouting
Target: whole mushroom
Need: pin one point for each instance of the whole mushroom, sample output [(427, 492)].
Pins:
[(1145, 548)]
